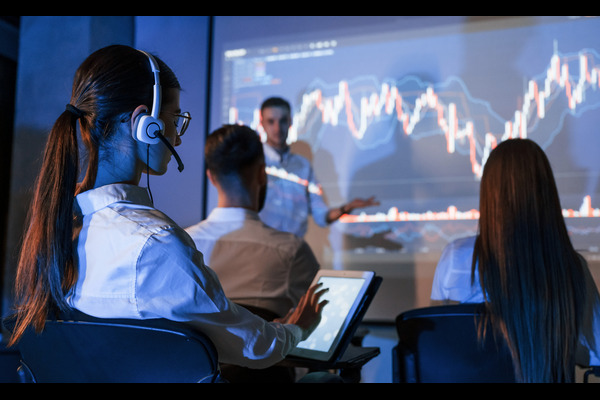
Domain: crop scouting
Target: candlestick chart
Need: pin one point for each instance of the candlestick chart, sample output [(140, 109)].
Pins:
[(412, 122)]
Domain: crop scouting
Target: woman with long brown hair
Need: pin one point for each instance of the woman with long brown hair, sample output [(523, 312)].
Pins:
[(538, 292), (100, 247)]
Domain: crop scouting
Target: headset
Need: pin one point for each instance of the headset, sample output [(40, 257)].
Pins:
[(148, 128)]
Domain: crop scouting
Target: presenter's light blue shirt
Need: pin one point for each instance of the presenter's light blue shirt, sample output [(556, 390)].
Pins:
[(293, 193)]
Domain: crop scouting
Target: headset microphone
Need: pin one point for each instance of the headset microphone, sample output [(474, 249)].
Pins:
[(172, 150), (149, 128)]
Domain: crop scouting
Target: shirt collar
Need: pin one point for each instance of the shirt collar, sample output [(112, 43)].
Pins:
[(95, 199), (232, 214), (274, 155)]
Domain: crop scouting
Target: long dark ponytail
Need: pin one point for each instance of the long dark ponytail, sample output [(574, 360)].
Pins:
[(107, 87)]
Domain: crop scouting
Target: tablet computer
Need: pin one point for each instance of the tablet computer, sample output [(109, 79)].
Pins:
[(347, 294)]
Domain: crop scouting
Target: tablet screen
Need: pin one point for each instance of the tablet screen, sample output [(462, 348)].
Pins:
[(346, 290)]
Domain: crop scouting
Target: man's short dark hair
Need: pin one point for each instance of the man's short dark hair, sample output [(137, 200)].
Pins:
[(275, 102), (231, 149)]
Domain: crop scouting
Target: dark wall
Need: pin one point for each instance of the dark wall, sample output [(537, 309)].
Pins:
[(8, 75)]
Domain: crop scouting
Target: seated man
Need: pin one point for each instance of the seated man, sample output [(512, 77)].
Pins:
[(258, 266)]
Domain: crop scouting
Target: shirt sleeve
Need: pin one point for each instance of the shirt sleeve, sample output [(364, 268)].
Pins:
[(437, 288), (452, 278), (588, 352), (304, 268), (318, 207), (174, 283)]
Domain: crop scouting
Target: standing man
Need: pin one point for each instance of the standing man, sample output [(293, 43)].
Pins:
[(293, 192)]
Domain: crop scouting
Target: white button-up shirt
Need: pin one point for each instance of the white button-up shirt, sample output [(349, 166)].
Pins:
[(135, 262), (257, 265)]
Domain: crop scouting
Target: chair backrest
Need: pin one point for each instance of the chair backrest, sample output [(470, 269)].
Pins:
[(441, 344), (102, 351)]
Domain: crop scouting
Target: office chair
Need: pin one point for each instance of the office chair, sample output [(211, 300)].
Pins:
[(590, 370), (440, 344), (104, 351)]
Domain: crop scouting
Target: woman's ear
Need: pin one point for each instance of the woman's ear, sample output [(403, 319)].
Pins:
[(139, 110)]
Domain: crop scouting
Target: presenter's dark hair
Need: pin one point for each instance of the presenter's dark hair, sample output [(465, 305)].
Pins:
[(107, 87), (532, 277), (275, 102)]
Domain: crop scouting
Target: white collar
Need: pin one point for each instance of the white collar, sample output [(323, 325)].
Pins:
[(93, 200)]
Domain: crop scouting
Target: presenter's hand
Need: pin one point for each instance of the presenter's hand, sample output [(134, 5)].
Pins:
[(307, 314), (336, 213), (362, 203)]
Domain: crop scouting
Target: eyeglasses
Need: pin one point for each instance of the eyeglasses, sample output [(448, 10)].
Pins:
[(182, 122)]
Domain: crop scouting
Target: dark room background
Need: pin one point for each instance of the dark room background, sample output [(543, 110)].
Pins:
[(227, 65)]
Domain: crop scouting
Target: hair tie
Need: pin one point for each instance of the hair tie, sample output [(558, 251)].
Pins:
[(75, 111)]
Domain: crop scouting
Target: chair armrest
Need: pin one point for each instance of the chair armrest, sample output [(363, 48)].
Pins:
[(592, 370)]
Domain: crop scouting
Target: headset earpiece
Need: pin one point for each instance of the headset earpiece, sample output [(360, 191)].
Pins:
[(149, 127)]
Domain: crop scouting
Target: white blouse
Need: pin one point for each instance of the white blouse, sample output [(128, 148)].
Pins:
[(135, 262)]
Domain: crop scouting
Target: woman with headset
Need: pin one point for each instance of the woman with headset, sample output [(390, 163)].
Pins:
[(100, 247)]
